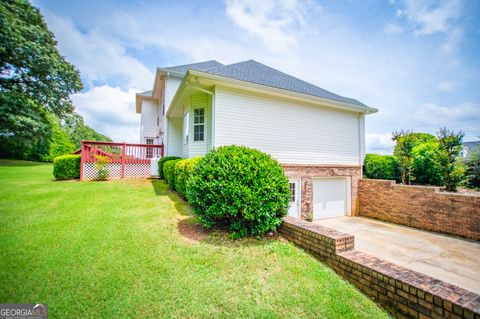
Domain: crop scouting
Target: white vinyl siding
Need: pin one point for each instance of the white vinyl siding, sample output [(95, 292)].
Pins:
[(289, 131), (174, 136), (149, 127), (171, 87), (197, 148)]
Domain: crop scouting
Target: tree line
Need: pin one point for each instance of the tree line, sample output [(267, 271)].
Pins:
[(37, 117), (425, 159)]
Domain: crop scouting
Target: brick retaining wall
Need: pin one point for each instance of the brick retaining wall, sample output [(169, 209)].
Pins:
[(405, 293), (420, 207)]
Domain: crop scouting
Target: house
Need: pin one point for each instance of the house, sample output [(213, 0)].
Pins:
[(316, 135)]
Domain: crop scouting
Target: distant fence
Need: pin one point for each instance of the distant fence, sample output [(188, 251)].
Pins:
[(121, 160)]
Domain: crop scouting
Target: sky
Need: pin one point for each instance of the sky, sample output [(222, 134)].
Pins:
[(416, 61)]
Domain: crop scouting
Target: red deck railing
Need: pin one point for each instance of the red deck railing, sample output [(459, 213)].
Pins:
[(123, 160)]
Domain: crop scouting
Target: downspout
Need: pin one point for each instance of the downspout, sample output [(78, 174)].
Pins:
[(360, 144)]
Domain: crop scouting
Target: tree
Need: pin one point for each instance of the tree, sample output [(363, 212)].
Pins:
[(59, 142), (24, 127), (77, 130), (426, 167), (450, 147), (30, 64), (472, 163), (406, 141)]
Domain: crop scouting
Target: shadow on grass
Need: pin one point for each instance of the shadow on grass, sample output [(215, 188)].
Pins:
[(20, 163), (160, 188), (192, 230)]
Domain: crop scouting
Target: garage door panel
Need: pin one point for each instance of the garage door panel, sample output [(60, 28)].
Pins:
[(329, 197)]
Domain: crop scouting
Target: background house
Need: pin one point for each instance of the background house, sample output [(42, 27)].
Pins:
[(317, 136)]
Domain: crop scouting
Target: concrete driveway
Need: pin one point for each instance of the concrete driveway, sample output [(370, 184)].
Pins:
[(452, 260)]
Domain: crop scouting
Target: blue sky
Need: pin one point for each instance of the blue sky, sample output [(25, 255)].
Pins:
[(417, 61)]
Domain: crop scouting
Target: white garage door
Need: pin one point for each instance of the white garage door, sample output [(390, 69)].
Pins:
[(330, 197)]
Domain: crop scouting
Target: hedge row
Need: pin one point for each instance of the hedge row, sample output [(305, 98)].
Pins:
[(66, 167), (183, 172), (162, 162), (169, 172), (381, 167), (235, 187)]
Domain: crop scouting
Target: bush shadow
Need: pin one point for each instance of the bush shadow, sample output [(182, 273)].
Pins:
[(191, 229), (161, 188)]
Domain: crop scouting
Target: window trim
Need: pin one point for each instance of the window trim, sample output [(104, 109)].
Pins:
[(202, 124), (186, 128)]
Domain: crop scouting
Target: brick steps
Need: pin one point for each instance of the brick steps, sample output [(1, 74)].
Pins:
[(405, 293)]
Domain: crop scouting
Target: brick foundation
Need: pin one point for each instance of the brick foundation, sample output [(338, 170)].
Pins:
[(421, 207), (405, 293), (305, 173)]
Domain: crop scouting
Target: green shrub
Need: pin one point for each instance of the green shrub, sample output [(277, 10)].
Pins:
[(169, 172), (183, 173), (101, 168), (426, 167), (381, 167), (239, 188), (162, 162), (66, 167)]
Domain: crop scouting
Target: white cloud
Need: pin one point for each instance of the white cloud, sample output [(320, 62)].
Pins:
[(466, 117), (432, 113), (428, 20), (379, 143), (391, 28), (111, 111), (273, 21), (447, 86), (99, 57), (452, 44)]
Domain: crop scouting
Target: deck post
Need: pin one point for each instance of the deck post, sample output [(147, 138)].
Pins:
[(82, 159), (123, 160)]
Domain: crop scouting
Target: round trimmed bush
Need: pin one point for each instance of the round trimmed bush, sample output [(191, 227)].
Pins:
[(66, 167), (381, 167), (239, 188), (162, 162), (183, 172), (169, 172)]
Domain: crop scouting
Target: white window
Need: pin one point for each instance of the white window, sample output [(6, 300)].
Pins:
[(185, 128), (198, 125), (149, 141), (292, 192)]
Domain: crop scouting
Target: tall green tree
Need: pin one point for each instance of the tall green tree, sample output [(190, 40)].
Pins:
[(30, 63), (449, 149), (426, 167), (406, 141), (74, 125), (37, 118), (472, 163), (25, 129)]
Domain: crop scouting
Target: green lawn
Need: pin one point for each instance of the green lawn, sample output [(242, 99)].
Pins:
[(131, 249)]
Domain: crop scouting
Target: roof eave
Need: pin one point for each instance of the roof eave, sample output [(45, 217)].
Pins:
[(171, 72), (295, 95)]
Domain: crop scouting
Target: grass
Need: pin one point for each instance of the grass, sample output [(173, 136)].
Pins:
[(128, 249)]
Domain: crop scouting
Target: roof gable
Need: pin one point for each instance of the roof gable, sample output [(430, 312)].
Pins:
[(255, 72), (200, 66)]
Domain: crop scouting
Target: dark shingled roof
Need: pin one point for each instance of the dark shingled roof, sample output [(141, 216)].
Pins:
[(201, 66), (258, 73)]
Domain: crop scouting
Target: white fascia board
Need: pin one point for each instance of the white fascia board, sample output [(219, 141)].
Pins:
[(239, 84)]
